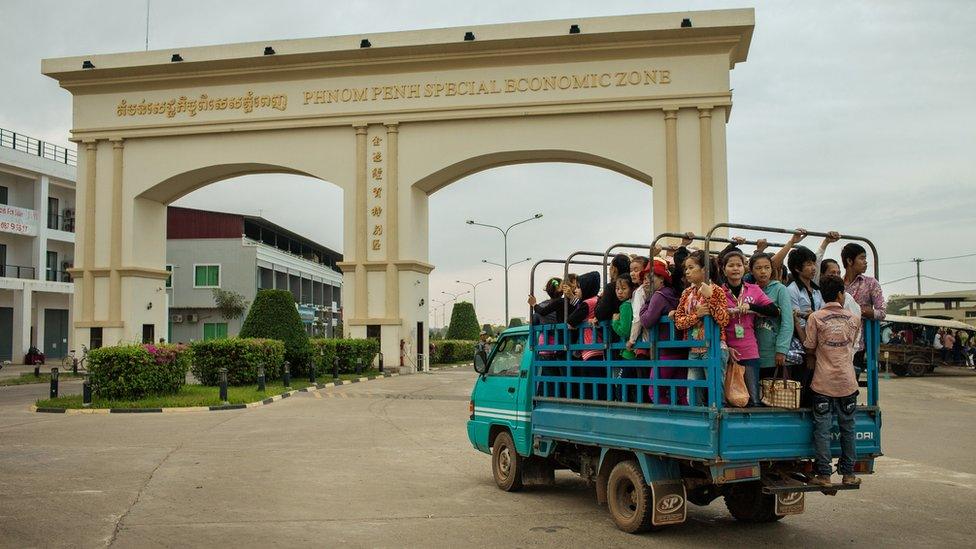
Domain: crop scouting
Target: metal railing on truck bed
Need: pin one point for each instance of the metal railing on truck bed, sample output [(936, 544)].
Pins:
[(562, 375)]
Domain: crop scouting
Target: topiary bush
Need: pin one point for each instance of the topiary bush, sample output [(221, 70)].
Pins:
[(273, 316), (464, 323), (449, 351), (240, 356), (136, 371)]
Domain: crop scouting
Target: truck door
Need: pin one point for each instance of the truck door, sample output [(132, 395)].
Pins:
[(500, 397)]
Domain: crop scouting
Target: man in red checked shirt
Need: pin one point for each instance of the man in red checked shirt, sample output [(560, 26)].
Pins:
[(865, 290)]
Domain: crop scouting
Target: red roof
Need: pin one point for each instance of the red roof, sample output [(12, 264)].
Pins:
[(182, 223)]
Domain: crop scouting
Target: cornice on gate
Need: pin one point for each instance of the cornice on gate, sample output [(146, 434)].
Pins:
[(731, 29)]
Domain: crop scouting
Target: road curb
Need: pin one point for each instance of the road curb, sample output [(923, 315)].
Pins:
[(186, 409)]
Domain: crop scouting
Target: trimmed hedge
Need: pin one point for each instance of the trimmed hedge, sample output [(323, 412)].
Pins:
[(453, 350), (464, 323), (136, 371), (273, 316), (240, 356), (324, 350)]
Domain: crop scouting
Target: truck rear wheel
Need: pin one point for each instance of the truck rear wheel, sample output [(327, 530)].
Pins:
[(506, 464), (629, 498), (918, 367), (747, 503)]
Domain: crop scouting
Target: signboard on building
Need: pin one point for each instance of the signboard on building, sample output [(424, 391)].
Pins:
[(18, 220)]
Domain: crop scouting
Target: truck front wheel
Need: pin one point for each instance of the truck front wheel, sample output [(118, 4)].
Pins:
[(629, 498), (747, 503), (506, 464)]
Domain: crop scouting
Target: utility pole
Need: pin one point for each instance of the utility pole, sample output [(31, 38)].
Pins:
[(918, 273)]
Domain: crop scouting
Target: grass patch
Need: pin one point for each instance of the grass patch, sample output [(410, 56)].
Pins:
[(27, 378), (193, 395)]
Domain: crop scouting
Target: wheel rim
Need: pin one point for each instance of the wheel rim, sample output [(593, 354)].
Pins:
[(504, 462), (626, 498)]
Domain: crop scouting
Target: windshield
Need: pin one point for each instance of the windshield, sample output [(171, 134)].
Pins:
[(508, 355)]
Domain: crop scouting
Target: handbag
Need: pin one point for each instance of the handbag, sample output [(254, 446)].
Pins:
[(796, 354), (781, 392), (736, 393)]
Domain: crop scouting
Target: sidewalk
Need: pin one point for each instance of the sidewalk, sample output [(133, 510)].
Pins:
[(14, 370)]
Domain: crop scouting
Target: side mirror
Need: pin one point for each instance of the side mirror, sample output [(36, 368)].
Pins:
[(481, 363)]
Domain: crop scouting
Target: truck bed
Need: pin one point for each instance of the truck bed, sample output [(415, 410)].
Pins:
[(708, 435)]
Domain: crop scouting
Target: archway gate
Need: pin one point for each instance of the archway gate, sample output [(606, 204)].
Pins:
[(389, 118)]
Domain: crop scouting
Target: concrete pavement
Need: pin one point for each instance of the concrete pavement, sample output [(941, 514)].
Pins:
[(387, 463)]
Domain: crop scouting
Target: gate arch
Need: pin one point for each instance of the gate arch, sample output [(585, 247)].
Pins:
[(390, 124)]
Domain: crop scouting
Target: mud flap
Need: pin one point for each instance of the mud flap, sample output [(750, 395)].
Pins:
[(789, 503), (670, 502)]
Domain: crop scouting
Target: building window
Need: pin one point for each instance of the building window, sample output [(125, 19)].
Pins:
[(3, 195), (169, 279), (95, 338), (970, 314), (214, 330), (53, 209), (52, 266), (206, 276)]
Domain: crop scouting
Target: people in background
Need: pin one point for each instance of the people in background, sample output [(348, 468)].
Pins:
[(772, 334), (639, 272), (744, 301), (607, 304), (666, 289), (806, 299), (831, 334), (831, 267), (865, 290), (700, 299)]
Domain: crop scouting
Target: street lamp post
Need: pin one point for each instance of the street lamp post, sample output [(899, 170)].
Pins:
[(474, 291), (506, 268), (454, 298), (505, 241), (442, 305)]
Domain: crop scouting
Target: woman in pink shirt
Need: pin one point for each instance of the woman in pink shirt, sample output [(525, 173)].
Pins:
[(744, 301)]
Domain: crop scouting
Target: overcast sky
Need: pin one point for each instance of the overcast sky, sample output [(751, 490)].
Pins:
[(849, 116)]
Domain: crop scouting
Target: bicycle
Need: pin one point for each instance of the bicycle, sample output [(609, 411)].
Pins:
[(67, 363)]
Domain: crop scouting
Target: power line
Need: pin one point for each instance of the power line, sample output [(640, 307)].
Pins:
[(899, 280), (949, 281), (933, 259)]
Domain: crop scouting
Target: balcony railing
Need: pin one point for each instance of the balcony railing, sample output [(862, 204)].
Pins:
[(61, 222), (57, 276), (16, 271), (36, 147)]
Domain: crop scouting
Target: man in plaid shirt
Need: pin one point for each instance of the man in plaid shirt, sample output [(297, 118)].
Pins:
[(865, 290), (831, 334)]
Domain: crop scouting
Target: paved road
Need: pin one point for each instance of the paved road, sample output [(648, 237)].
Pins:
[(387, 464)]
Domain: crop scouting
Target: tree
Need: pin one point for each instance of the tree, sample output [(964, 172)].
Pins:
[(464, 323), (230, 304), (515, 322), (273, 315)]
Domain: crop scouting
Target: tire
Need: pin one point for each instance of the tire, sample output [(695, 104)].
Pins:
[(899, 370), (747, 503), (506, 463), (629, 498), (917, 367)]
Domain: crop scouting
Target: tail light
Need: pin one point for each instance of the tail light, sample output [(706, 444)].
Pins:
[(865, 466), (471, 409)]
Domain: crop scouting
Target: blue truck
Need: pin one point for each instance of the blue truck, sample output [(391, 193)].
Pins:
[(536, 407)]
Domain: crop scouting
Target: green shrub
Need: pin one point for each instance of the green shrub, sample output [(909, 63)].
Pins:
[(136, 371), (515, 322), (452, 350), (464, 323), (324, 350), (273, 316), (240, 356)]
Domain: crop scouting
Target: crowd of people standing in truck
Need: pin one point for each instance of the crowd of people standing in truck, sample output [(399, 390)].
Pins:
[(762, 301)]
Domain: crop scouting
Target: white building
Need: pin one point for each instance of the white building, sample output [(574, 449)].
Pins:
[(37, 241)]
